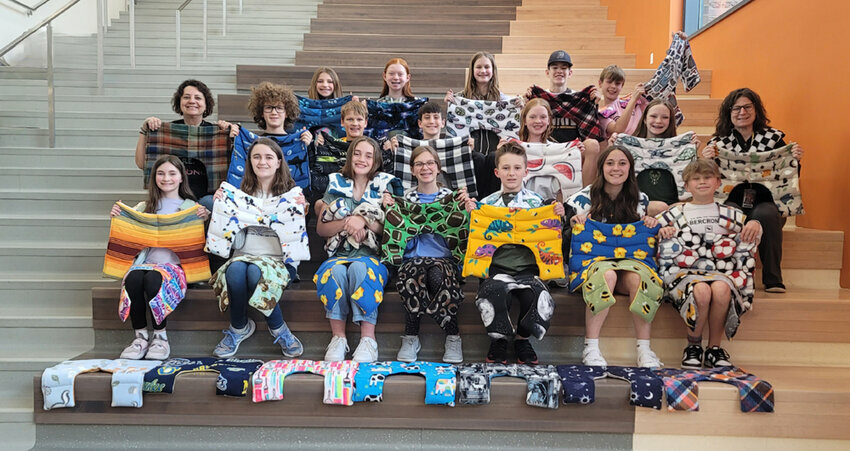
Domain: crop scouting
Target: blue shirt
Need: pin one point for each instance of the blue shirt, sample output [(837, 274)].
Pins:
[(428, 244)]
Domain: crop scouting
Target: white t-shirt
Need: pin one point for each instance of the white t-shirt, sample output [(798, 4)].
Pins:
[(704, 218)]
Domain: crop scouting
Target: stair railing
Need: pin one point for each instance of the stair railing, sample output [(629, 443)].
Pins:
[(51, 95), (177, 29), (30, 9)]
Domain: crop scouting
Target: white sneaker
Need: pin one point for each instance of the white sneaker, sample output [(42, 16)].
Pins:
[(647, 359), (159, 349), (136, 350), (592, 356), (366, 352), (336, 349), (409, 350), (454, 349)]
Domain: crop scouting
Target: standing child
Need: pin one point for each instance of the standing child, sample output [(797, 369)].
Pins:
[(256, 256), (274, 109), (169, 194), (428, 279), (350, 217), (514, 265), (324, 84), (614, 198), (396, 78), (712, 299), (618, 115)]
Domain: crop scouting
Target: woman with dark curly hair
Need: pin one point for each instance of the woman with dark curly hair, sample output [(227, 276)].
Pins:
[(194, 101), (743, 127)]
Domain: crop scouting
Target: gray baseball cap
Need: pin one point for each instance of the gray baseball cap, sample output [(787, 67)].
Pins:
[(559, 56)]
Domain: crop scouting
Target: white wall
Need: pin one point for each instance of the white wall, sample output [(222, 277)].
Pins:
[(80, 20)]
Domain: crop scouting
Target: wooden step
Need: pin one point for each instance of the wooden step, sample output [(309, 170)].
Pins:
[(401, 43), (356, 79), (562, 27), (443, 27), (427, 12), (574, 12), (593, 59), (434, 3), (521, 44), (336, 59)]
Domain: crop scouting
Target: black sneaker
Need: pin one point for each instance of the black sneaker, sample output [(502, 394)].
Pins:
[(716, 357), (498, 352), (692, 357), (524, 352)]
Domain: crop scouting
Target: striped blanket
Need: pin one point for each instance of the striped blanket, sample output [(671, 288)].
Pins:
[(132, 231), (208, 144)]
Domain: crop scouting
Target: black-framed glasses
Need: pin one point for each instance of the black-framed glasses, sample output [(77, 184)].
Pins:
[(270, 108), (748, 108)]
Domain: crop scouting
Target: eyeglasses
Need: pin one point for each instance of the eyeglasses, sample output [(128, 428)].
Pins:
[(747, 108), (270, 108), (422, 164)]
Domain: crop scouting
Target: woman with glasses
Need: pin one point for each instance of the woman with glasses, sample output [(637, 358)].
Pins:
[(742, 127)]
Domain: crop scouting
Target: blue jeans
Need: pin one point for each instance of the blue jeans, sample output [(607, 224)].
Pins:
[(207, 201), (349, 279), (242, 280)]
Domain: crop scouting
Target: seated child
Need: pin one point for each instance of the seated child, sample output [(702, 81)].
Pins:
[(704, 215), (513, 266)]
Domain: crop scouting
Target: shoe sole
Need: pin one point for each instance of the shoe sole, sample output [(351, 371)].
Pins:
[(527, 363), (489, 360), (692, 367), (775, 290), (452, 360)]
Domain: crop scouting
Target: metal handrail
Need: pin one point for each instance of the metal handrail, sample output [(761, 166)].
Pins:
[(30, 9), (40, 25), (177, 28)]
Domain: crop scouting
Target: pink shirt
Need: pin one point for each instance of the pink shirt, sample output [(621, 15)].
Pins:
[(615, 110)]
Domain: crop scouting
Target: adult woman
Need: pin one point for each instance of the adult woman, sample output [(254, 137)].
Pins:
[(742, 127)]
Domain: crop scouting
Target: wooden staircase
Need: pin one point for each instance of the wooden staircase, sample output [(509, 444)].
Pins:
[(798, 341)]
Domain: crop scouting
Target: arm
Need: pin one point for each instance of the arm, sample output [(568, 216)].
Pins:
[(140, 150), (327, 229), (623, 121)]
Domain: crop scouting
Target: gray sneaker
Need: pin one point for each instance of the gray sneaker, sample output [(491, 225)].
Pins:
[(228, 345), (454, 349), (290, 345), (159, 348), (137, 348), (410, 347)]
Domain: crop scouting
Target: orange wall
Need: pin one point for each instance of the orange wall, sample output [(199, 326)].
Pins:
[(794, 54), (646, 26)]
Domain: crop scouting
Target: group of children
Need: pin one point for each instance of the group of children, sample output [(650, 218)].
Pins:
[(351, 209)]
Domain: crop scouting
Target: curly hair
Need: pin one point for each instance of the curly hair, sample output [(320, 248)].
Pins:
[(643, 130), (523, 127), (200, 86), (621, 209), (724, 125), (267, 93)]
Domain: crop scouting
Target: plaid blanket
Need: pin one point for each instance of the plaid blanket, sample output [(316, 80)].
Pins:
[(670, 154), (207, 144), (321, 114), (576, 106), (386, 117), (677, 64), (294, 152), (756, 395), (500, 117), (455, 159), (182, 232)]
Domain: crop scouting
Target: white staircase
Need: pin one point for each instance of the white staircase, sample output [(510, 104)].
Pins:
[(54, 219)]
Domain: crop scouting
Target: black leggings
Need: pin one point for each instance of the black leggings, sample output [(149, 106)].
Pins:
[(142, 286), (435, 281)]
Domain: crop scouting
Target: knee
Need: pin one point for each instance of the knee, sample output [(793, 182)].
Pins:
[(235, 272), (339, 273), (611, 279), (134, 278), (591, 148), (721, 294), (702, 295), (766, 213)]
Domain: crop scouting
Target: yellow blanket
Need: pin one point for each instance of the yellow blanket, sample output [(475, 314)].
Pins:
[(538, 229)]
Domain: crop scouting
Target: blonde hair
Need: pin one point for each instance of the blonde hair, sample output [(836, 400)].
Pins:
[(700, 166), (354, 107), (612, 73)]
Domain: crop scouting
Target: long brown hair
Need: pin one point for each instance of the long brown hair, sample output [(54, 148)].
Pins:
[(470, 90), (643, 130), (313, 93), (282, 178), (523, 126), (724, 125), (348, 169), (405, 91), (155, 194), (623, 208)]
